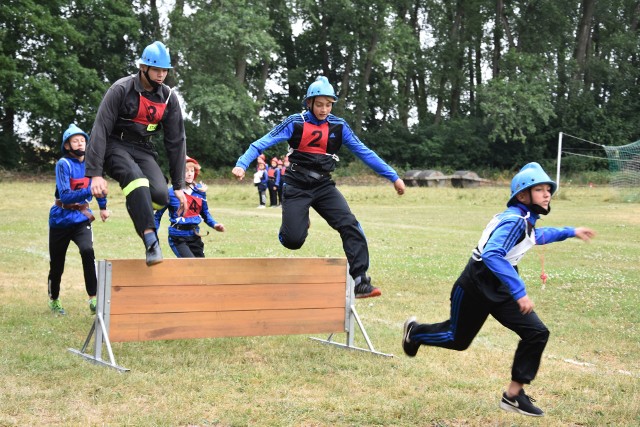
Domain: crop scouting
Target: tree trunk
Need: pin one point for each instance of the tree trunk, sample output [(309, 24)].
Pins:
[(366, 74), (583, 36), (458, 60), (497, 40), (241, 68), (261, 85)]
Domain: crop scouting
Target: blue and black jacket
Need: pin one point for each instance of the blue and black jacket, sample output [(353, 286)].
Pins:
[(505, 240), (314, 145), (72, 195)]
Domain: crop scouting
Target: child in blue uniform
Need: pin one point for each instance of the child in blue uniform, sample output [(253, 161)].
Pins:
[(490, 285), (283, 169), (70, 218), (261, 182), (184, 230), (274, 182), (314, 138)]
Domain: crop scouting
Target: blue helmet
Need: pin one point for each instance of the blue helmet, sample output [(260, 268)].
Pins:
[(529, 176), (71, 130), (156, 55), (321, 87)]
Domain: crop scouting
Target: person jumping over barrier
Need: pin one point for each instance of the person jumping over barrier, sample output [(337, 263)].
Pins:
[(314, 138), (490, 285), (134, 109)]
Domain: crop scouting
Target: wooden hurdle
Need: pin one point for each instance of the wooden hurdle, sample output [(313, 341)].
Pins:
[(221, 297)]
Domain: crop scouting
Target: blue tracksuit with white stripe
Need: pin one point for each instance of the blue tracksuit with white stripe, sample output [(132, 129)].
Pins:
[(490, 285), (313, 147)]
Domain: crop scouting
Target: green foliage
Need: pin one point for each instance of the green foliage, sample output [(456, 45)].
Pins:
[(421, 81), (57, 58), (519, 102)]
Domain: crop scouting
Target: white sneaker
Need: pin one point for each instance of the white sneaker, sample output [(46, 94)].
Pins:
[(262, 207)]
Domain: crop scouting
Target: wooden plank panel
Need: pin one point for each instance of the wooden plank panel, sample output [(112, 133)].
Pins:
[(134, 272), (146, 327), (189, 298)]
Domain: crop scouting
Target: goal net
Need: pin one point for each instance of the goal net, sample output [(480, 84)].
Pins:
[(621, 162), (624, 164)]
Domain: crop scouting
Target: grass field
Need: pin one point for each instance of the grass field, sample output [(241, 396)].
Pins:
[(590, 374)]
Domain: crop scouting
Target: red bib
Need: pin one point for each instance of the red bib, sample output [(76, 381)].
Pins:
[(194, 206), (78, 183), (314, 138), (149, 112)]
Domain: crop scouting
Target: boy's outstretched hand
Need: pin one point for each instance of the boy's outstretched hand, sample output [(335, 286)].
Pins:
[(238, 172), (584, 233), (399, 186)]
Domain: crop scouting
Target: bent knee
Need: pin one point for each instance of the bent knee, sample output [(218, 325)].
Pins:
[(160, 197), (291, 243)]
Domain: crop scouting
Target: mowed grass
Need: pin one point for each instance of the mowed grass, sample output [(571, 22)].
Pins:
[(590, 374)]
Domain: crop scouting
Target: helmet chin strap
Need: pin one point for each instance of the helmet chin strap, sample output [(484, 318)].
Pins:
[(77, 152), (537, 209), (153, 84)]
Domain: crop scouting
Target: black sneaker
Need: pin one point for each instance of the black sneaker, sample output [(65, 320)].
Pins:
[(521, 404), (153, 251), (410, 348), (364, 289)]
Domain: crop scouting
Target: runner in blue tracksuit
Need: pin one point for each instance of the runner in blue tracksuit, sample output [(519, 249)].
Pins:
[(184, 230), (314, 138), (70, 218), (490, 285)]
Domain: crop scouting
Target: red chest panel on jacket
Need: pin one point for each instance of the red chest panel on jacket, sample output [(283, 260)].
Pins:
[(149, 112), (271, 172), (78, 183), (194, 206), (314, 138)]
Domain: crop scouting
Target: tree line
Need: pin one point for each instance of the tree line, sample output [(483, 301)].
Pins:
[(462, 84)]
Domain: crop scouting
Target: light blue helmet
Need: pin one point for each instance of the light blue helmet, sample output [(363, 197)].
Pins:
[(156, 55), (72, 130), (321, 87), (529, 176)]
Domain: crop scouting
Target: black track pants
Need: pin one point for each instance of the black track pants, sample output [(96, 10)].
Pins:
[(469, 311), (59, 239), (187, 247), (136, 170), (325, 198)]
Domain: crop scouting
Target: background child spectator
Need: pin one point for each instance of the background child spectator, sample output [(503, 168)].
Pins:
[(283, 169), (261, 181), (273, 172), (70, 218)]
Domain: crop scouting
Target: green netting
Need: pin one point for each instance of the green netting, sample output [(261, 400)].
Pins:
[(624, 164)]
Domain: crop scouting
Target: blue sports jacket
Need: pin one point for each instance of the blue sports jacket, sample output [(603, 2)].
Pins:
[(504, 243), (299, 130), (71, 188)]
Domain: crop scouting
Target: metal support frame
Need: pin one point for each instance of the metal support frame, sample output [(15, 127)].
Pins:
[(350, 320), (101, 323)]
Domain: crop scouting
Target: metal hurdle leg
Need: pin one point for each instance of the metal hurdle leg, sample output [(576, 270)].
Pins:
[(351, 319), (100, 326)]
